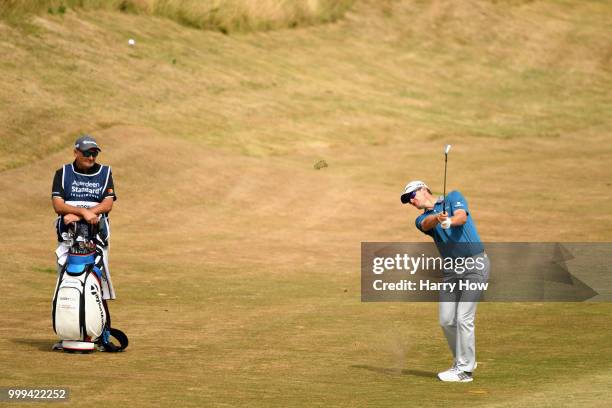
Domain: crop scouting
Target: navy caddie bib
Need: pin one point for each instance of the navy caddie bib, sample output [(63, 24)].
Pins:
[(84, 190)]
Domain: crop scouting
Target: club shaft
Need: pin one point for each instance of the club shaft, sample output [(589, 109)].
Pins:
[(444, 193)]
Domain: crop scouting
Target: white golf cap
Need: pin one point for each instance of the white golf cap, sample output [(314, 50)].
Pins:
[(410, 187)]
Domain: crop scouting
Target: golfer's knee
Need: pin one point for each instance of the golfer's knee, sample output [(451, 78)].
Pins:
[(448, 321), (465, 321)]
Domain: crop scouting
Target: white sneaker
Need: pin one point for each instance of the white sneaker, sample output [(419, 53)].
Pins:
[(57, 346), (455, 376), (449, 371), (454, 368)]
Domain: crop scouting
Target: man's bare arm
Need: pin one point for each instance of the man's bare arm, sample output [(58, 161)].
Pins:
[(104, 207), (90, 215), (431, 221), (459, 218)]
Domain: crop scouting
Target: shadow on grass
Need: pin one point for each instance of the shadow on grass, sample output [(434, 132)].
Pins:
[(397, 371), (41, 345)]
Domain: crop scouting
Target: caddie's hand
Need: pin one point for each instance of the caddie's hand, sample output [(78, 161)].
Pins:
[(90, 216), (70, 218)]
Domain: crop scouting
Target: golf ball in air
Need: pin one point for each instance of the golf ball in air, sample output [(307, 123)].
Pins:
[(131, 42)]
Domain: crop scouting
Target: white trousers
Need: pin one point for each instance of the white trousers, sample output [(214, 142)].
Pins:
[(458, 313)]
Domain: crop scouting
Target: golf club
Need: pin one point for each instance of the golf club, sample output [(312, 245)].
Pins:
[(446, 150)]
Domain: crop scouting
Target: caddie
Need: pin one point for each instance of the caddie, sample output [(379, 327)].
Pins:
[(85, 190), (455, 235)]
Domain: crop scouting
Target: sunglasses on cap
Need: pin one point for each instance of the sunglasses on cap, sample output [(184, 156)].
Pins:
[(413, 194), (90, 153)]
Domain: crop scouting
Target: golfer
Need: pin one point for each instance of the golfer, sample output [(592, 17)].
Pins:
[(84, 190), (455, 235)]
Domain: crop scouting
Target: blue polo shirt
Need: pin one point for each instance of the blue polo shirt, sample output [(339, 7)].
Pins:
[(457, 241)]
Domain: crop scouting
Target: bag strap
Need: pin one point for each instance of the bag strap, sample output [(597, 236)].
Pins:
[(120, 336)]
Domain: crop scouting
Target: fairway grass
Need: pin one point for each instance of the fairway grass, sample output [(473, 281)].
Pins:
[(236, 262), (253, 299)]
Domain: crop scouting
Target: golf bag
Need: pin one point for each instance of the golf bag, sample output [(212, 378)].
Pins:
[(80, 314)]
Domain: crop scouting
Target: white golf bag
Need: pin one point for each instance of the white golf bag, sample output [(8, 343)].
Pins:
[(79, 314)]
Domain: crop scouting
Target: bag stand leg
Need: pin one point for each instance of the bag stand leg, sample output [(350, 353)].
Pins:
[(108, 318)]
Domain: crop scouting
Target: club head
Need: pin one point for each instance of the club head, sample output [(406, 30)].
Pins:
[(447, 149)]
